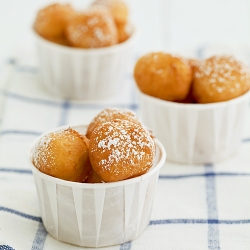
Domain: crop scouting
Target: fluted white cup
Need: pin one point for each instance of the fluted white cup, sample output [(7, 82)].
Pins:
[(100, 214), (86, 74), (196, 133)]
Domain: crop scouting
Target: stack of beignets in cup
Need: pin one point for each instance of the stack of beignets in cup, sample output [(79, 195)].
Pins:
[(173, 78), (196, 107), (116, 147), (74, 44), (104, 23), (93, 191)]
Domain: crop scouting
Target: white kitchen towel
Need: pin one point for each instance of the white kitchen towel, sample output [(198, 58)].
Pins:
[(196, 207)]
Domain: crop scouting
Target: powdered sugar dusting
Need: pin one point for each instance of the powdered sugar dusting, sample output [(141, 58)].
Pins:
[(221, 72), (92, 29), (107, 143), (110, 114), (126, 144), (43, 154)]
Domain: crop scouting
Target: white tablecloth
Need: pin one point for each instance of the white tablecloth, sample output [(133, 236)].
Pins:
[(195, 208)]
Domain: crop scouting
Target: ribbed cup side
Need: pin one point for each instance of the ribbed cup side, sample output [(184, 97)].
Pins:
[(84, 76), (96, 217), (195, 135)]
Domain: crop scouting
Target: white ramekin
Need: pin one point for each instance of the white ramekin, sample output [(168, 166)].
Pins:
[(86, 74), (96, 215), (196, 133)]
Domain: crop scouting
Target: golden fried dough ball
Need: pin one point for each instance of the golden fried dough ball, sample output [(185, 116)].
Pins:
[(93, 177), (51, 21), (120, 150), (117, 8), (220, 78), (92, 29), (64, 155), (163, 76), (108, 115), (124, 32)]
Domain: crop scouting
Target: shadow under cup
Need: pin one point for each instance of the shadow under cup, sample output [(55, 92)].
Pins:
[(100, 214)]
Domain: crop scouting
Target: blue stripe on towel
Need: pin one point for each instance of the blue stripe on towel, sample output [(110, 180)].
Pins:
[(212, 213), (208, 174), (152, 222), (198, 221), (32, 100), (15, 212), (126, 246), (132, 106), (22, 68), (15, 170), (58, 103), (27, 69), (39, 240), (200, 52), (161, 177), (6, 247), (246, 140), (20, 132), (65, 111), (11, 60)]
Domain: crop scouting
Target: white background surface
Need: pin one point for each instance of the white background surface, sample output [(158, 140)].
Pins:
[(171, 25)]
